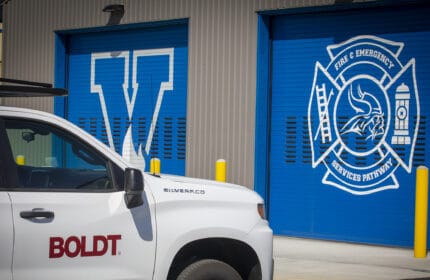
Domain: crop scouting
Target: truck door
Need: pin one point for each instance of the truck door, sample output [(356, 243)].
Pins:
[(6, 236), (6, 227), (70, 218)]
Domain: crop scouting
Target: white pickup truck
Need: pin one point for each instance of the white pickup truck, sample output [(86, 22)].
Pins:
[(71, 208)]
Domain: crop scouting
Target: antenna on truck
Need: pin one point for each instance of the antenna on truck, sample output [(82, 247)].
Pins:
[(22, 88)]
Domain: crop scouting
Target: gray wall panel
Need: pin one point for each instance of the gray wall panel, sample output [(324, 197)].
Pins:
[(222, 65)]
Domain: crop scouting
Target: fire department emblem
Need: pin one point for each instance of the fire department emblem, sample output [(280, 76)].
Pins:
[(363, 115)]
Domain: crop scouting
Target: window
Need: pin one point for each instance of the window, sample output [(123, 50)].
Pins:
[(50, 158), (7, 172)]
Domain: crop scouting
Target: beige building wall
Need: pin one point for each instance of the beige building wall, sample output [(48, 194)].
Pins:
[(221, 67)]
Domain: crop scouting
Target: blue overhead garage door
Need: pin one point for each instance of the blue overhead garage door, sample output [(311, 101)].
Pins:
[(128, 87), (349, 122)]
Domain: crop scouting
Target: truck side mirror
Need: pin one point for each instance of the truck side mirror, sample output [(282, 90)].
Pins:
[(133, 186)]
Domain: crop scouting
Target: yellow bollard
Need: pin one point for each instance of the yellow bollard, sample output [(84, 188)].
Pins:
[(421, 212), (155, 166), (221, 170), (20, 160)]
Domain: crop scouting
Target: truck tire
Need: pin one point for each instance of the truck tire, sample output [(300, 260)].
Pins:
[(209, 269)]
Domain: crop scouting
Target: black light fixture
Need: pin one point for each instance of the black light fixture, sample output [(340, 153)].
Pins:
[(116, 13), (3, 2)]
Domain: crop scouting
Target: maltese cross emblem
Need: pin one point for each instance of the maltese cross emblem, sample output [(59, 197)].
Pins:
[(363, 115)]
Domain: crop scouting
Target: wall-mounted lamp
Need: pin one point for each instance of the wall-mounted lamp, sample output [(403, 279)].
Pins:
[(116, 13)]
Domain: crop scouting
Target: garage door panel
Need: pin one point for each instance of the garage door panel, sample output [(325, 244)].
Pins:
[(128, 88), (338, 79)]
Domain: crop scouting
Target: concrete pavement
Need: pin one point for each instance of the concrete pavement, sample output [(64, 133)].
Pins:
[(306, 259)]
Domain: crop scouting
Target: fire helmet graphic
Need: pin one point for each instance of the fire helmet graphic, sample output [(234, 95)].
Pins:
[(363, 115)]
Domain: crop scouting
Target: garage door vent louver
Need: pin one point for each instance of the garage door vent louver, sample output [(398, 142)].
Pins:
[(155, 142), (343, 120), (116, 133), (95, 127), (291, 144), (141, 130), (181, 138), (291, 139), (81, 123), (168, 137), (168, 141), (306, 143), (420, 146), (104, 136), (361, 145)]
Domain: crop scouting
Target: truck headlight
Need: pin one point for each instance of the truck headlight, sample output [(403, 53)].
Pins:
[(261, 210)]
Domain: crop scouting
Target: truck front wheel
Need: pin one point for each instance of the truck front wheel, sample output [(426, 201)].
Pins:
[(209, 270)]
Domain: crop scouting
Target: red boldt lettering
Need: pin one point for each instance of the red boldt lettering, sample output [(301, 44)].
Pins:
[(96, 241), (69, 249), (75, 246), (56, 249), (114, 239), (84, 252)]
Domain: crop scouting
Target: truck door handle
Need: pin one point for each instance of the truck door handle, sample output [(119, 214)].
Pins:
[(35, 213)]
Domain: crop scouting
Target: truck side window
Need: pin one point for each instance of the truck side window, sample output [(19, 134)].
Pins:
[(7, 172), (50, 158)]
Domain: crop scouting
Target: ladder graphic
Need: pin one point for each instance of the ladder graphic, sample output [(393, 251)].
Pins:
[(322, 103)]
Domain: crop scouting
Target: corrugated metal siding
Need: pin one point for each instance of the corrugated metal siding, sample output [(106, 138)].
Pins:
[(222, 65)]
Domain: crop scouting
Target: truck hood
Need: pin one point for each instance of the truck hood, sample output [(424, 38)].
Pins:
[(179, 188)]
